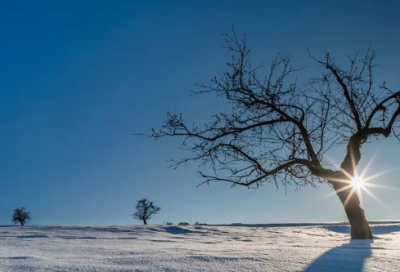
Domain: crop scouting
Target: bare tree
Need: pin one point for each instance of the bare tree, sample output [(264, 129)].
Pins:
[(279, 131), (21, 216), (145, 209)]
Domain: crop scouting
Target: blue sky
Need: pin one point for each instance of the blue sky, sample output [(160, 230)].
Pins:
[(78, 78)]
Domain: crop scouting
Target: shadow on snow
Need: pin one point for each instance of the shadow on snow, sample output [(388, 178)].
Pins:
[(178, 230), (376, 229), (347, 257)]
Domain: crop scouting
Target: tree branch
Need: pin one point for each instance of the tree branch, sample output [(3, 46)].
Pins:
[(346, 93), (380, 106)]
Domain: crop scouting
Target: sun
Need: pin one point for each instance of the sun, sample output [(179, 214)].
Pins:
[(358, 182)]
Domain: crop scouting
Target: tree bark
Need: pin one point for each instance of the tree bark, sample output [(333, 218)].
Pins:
[(144, 221), (355, 214)]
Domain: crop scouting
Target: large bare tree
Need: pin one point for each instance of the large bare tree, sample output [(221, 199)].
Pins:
[(279, 131)]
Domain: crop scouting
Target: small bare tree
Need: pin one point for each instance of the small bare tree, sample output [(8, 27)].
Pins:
[(21, 216), (145, 209), (279, 131)]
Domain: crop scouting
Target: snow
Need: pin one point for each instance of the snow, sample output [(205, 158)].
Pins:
[(269, 247)]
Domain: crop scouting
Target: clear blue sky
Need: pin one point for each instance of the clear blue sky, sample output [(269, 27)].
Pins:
[(77, 78)]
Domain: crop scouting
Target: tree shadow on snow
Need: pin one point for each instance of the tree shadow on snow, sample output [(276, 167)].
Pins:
[(347, 257), (376, 229)]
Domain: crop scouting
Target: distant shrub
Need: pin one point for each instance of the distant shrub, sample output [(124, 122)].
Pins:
[(145, 209), (183, 224), (200, 224), (21, 216), (168, 223)]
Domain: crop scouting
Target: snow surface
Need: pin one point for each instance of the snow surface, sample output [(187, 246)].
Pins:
[(296, 247)]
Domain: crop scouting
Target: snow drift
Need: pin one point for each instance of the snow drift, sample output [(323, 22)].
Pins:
[(270, 247)]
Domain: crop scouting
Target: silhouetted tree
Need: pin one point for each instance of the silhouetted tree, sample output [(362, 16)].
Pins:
[(21, 216), (145, 209), (277, 130)]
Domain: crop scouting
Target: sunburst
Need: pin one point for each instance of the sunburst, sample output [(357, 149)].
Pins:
[(358, 183)]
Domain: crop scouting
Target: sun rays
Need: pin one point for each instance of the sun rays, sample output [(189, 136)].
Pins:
[(359, 182)]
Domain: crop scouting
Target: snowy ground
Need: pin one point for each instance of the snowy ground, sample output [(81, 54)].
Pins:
[(309, 248)]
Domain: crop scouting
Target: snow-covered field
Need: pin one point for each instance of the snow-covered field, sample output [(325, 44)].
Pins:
[(304, 247)]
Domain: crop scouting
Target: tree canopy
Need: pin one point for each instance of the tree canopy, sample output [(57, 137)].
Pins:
[(279, 130)]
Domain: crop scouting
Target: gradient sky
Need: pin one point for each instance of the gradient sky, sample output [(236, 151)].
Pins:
[(78, 78)]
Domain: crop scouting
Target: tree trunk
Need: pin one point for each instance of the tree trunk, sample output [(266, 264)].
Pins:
[(21, 222), (355, 214), (144, 221)]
